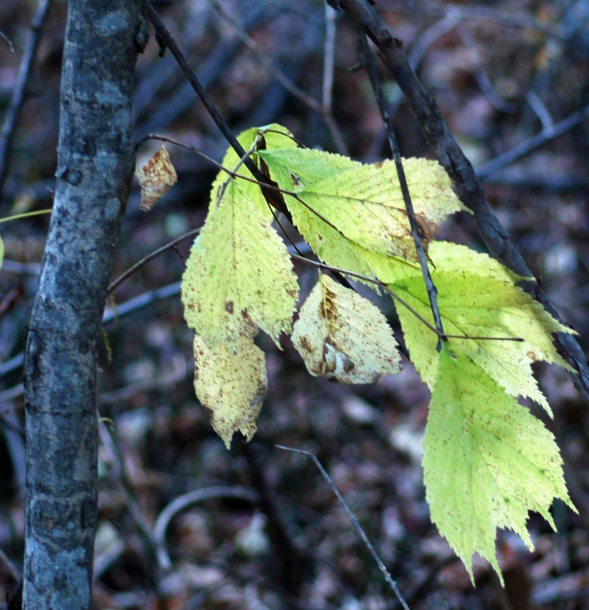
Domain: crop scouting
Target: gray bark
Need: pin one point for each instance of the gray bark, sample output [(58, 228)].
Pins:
[(95, 166)]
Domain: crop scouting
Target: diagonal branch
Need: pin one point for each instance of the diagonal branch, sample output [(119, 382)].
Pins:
[(432, 291), (166, 40), (466, 184)]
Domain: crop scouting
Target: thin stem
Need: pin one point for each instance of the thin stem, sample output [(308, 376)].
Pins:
[(354, 521), (25, 215), (432, 292), (521, 150), (167, 40), (116, 283)]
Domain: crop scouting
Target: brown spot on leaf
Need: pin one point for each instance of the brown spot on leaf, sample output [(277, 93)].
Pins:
[(229, 306)]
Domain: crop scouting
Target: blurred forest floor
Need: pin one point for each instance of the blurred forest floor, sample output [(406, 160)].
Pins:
[(261, 528)]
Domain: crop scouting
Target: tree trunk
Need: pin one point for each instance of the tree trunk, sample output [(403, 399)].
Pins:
[(95, 166)]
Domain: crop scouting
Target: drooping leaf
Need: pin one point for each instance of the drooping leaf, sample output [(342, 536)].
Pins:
[(239, 275), (487, 461), (155, 179), (477, 297), (344, 336), (231, 381)]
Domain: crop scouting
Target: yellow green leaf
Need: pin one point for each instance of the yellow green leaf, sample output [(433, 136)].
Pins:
[(487, 461), (363, 203), (239, 275), (294, 169), (477, 297), (231, 381), (273, 136), (344, 336)]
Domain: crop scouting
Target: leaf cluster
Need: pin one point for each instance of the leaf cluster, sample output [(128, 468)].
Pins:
[(487, 461)]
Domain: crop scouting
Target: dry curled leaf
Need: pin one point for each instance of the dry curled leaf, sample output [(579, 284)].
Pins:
[(344, 336), (155, 178)]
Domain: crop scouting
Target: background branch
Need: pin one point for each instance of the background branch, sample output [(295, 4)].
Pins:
[(18, 97)]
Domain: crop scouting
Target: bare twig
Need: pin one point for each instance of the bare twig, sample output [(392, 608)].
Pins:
[(466, 184), (354, 521), (549, 132), (266, 63), (14, 571), (167, 40), (481, 75), (432, 292), (7, 40), (323, 108), (169, 246), (18, 97)]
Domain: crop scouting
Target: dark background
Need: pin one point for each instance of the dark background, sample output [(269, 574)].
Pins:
[(502, 72)]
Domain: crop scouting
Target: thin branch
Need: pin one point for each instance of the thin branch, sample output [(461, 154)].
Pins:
[(548, 133), (110, 314), (266, 63), (14, 571), (166, 40), (7, 40), (466, 184), (18, 97), (364, 278), (416, 231), (354, 521), (116, 283)]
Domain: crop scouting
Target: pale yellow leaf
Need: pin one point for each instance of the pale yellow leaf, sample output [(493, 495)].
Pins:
[(155, 178), (342, 335), (231, 381), (239, 275)]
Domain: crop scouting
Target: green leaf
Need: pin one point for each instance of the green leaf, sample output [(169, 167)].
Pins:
[(487, 461), (477, 297), (344, 336)]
